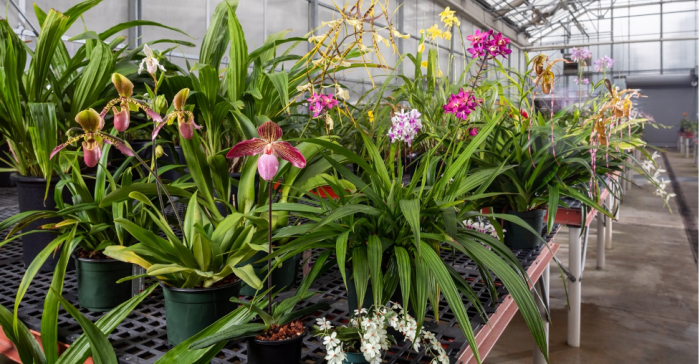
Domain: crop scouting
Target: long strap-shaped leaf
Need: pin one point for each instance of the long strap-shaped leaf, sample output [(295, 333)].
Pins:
[(79, 352), (102, 351), (28, 349), (433, 263)]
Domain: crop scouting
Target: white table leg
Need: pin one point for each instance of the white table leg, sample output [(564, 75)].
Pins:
[(538, 358), (574, 327), (609, 224), (687, 147), (600, 240), (682, 144)]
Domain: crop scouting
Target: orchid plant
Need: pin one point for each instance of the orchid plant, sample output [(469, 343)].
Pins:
[(269, 147), (367, 334)]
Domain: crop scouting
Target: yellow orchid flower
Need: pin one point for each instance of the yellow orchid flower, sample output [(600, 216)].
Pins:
[(398, 34), (449, 22), (424, 64), (446, 35), (378, 38), (447, 13), (421, 48), (370, 114), (332, 23), (439, 73), (432, 32)]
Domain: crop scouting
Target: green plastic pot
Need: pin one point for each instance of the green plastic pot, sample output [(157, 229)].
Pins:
[(98, 290), (190, 310), (283, 277), (518, 237), (354, 358)]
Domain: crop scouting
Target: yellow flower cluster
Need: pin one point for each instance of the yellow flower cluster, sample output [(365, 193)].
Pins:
[(448, 17)]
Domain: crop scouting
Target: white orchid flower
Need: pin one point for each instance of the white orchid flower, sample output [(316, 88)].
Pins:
[(341, 93), (150, 62)]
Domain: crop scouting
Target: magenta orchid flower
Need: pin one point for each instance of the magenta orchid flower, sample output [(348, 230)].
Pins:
[(318, 103), (125, 89), (92, 124), (270, 147), (185, 118)]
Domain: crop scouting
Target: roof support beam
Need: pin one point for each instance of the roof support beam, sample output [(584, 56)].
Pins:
[(563, 45)]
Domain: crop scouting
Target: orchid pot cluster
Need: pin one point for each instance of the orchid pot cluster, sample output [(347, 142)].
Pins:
[(367, 334)]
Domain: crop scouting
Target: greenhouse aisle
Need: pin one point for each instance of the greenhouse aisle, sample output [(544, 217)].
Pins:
[(642, 308)]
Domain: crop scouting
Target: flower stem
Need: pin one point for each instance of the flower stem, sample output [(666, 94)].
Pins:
[(269, 248)]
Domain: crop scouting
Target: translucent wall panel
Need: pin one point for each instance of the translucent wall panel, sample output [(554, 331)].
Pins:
[(645, 27), (100, 18), (644, 57), (680, 56), (680, 24)]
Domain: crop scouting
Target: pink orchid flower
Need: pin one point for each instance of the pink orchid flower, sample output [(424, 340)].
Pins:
[(270, 147), (125, 89), (185, 119), (92, 124)]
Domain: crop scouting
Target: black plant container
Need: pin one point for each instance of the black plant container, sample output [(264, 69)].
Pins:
[(30, 194), (278, 352), (518, 237)]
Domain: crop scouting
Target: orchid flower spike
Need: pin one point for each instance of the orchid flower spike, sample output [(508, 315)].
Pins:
[(151, 62), (92, 124), (185, 118), (125, 89), (270, 147)]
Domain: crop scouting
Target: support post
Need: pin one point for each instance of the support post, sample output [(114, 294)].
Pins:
[(135, 13), (538, 358), (687, 147), (574, 325), (600, 240), (681, 143), (609, 223)]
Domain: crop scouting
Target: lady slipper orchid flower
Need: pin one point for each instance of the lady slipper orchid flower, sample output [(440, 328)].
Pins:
[(270, 147), (152, 64), (185, 119), (125, 89), (92, 124)]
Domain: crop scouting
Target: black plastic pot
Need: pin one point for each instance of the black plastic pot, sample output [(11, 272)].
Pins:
[(98, 290), (517, 237), (5, 179), (278, 352), (190, 310), (30, 195), (353, 301), (283, 277)]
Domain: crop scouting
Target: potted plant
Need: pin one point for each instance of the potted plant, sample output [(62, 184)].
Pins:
[(33, 113), (391, 233), (277, 339), (199, 273), (364, 338)]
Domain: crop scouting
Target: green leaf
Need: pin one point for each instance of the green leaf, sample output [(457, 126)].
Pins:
[(28, 349), (280, 81), (44, 135), (232, 333), (78, 352), (102, 351), (405, 272), (553, 205), (411, 211), (295, 315), (374, 256), (149, 189), (247, 274), (93, 78), (52, 29), (216, 38), (360, 273), (341, 246), (238, 58)]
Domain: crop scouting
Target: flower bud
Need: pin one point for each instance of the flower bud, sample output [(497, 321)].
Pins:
[(124, 87), (160, 152), (161, 104)]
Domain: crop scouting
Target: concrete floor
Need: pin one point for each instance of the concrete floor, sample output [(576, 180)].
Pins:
[(643, 307)]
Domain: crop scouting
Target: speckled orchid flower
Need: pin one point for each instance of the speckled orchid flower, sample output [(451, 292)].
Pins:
[(121, 115), (270, 147), (185, 119), (92, 124)]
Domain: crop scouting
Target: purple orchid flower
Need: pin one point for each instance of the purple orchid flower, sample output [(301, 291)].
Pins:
[(185, 118), (270, 149), (125, 89)]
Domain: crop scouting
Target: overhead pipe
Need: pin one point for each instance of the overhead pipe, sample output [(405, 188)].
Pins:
[(571, 45)]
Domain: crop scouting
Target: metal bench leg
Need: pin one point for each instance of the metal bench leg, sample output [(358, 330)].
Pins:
[(600, 240), (538, 358), (609, 224), (574, 327)]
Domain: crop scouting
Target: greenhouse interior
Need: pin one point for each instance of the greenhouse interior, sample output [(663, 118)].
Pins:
[(349, 181)]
